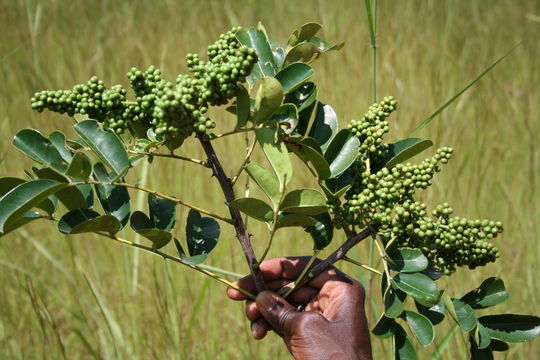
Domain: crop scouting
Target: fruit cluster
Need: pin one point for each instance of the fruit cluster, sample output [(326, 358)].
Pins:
[(371, 129), (173, 110), (385, 198)]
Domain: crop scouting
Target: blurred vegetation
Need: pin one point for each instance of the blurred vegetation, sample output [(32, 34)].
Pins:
[(84, 297)]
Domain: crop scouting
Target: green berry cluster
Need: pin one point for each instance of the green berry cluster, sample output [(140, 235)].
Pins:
[(372, 128), (91, 98), (173, 110), (373, 196), (448, 242), (386, 198)]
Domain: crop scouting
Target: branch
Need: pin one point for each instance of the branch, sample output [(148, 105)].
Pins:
[(241, 231), (203, 269), (172, 156), (331, 259)]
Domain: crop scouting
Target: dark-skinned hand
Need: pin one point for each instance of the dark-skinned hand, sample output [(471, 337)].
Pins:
[(324, 319)]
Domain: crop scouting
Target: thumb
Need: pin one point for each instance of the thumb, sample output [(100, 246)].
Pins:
[(277, 312)]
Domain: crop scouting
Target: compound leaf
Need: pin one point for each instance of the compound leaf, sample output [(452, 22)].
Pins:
[(491, 292)]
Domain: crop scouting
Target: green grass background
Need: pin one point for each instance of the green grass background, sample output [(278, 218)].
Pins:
[(85, 297)]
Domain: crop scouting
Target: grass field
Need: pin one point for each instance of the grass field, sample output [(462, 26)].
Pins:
[(84, 297)]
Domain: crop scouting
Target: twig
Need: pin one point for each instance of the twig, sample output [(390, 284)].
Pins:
[(237, 131), (180, 261), (357, 263), (244, 163), (173, 156), (241, 231), (331, 259), (160, 195)]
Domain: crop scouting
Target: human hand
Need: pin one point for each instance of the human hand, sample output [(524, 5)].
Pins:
[(332, 325)]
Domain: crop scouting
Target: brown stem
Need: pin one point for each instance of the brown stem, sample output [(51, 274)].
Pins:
[(320, 266), (241, 231)]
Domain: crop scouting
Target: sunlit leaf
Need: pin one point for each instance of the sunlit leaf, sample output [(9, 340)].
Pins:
[(384, 327), (38, 148), (276, 153), (162, 212), (419, 286), (70, 196), (405, 149), (341, 152), (420, 326), (105, 144), (255, 208), (141, 224), (304, 201), (393, 302), (403, 347), (512, 327), (256, 39), (58, 140), (85, 220), (305, 53), (24, 197), (491, 292), (304, 33), (289, 220), (80, 166), (294, 75), (242, 107), (408, 260), (269, 98), (325, 125), (267, 181), (322, 232)]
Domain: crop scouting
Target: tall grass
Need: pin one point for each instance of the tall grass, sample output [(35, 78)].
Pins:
[(74, 298)]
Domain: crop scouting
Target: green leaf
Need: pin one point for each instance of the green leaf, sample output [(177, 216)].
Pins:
[(408, 260), (269, 98), (481, 336), (303, 33), (202, 233), (313, 156), (256, 39), (405, 149), (511, 327), (322, 232), (38, 148), (105, 144), (419, 286), (70, 196), (7, 183), (243, 107), (294, 75), (16, 223), (464, 314), (287, 117), (80, 221), (289, 220), (141, 224), (24, 197), (403, 347), (340, 184), (384, 327), (491, 292), (162, 212), (58, 140), (446, 104), (325, 46), (304, 53), (279, 55), (80, 166), (266, 180), (341, 152), (115, 201), (420, 326), (304, 201), (255, 208), (276, 153), (434, 313), (325, 125), (393, 302)]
